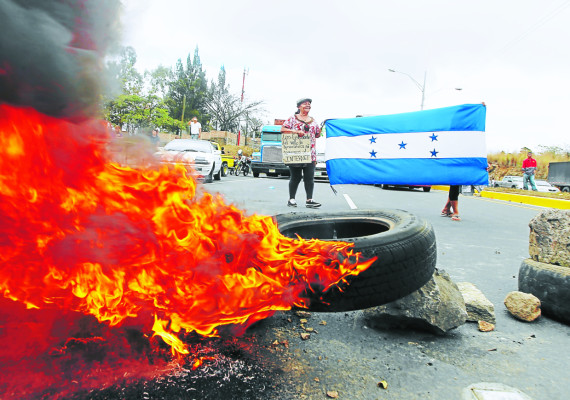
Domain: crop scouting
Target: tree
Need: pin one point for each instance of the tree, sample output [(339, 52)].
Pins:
[(188, 91), (160, 80), (226, 109), (140, 112)]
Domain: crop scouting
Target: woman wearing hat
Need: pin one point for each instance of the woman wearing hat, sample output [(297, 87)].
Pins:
[(302, 124)]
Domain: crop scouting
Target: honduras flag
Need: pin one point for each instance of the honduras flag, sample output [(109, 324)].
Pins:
[(444, 146)]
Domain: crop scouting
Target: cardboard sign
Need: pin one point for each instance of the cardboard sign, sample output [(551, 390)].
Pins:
[(296, 150)]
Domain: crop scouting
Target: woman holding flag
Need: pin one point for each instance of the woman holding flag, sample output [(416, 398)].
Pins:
[(302, 124)]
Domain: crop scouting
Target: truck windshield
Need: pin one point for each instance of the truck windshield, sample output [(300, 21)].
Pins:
[(271, 136)]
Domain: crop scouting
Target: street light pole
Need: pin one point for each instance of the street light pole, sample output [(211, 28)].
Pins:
[(421, 87)]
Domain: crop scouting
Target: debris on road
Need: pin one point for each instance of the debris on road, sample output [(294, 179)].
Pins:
[(523, 306)]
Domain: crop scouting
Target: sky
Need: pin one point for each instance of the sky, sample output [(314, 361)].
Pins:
[(513, 55)]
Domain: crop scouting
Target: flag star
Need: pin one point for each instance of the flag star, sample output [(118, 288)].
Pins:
[(433, 137), (434, 153), (373, 154), (402, 145), (372, 140)]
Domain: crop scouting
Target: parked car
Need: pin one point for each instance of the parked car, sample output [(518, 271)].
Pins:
[(543, 186), (511, 182), (199, 155)]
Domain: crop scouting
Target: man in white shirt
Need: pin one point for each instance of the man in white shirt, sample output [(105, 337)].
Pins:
[(195, 128)]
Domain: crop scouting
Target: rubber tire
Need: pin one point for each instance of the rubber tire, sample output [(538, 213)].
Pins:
[(566, 189), (218, 176), (209, 178), (551, 284), (245, 171), (225, 169), (427, 189), (406, 251), (255, 174)]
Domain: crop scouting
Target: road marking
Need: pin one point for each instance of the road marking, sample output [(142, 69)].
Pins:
[(350, 202)]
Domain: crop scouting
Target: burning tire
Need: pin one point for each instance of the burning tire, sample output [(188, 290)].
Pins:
[(404, 244)]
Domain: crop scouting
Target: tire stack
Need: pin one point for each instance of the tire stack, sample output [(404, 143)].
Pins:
[(546, 274)]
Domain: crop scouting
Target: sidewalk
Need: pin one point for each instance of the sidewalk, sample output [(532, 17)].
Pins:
[(518, 198)]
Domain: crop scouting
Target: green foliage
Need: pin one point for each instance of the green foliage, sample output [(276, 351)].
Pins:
[(168, 98), (188, 91), (140, 112)]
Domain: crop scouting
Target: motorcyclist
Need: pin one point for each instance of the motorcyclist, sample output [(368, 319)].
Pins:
[(241, 160)]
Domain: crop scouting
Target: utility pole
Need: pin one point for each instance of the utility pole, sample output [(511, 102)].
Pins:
[(242, 92), (183, 110)]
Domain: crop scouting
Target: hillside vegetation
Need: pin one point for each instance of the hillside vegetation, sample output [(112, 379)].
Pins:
[(511, 164)]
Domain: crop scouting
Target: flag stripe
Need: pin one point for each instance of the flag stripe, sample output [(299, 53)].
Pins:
[(408, 145), (455, 171), (466, 117)]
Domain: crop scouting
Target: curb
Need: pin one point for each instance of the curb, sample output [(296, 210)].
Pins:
[(519, 198), (535, 201)]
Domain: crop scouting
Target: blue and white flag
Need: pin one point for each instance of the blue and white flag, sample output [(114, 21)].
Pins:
[(445, 146)]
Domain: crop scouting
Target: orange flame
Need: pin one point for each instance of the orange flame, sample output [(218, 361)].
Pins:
[(82, 233)]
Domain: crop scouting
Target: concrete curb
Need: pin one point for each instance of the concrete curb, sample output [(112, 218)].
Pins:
[(535, 201), (518, 198)]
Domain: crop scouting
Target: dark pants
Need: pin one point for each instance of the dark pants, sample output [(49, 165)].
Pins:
[(307, 171), (453, 192)]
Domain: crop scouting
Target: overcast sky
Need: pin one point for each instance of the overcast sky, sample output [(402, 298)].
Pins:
[(514, 55)]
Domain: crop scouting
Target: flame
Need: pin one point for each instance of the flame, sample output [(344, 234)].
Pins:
[(84, 234)]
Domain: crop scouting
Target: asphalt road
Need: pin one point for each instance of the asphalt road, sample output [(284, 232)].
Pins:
[(348, 357)]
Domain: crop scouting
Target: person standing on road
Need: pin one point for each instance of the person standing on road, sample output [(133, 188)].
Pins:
[(452, 203), (195, 128), (154, 138), (529, 168), (302, 124)]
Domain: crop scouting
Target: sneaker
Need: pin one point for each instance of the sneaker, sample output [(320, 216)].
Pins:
[(292, 203), (312, 204)]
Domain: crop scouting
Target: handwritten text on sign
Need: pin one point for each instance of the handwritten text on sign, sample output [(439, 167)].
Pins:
[(296, 150)]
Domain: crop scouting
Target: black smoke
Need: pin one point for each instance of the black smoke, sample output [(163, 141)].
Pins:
[(52, 51)]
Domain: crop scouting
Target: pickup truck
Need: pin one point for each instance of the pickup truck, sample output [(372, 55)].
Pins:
[(511, 182), (227, 160)]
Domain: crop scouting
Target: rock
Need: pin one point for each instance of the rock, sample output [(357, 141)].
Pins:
[(438, 306), (479, 308), (523, 306), (549, 240), (484, 326)]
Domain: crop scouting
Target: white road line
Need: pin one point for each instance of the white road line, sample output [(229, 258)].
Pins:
[(350, 202)]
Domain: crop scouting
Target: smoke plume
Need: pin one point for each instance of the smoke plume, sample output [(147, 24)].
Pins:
[(51, 53)]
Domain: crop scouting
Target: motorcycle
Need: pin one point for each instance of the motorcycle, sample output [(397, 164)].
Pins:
[(241, 165)]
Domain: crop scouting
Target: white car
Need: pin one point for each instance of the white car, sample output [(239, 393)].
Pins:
[(543, 186), (199, 155), (511, 182)]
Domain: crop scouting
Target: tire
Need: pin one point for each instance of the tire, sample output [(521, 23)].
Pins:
[(551, 284), (403, 243), (427, 189), (566, 189), (385, 187), (255, 174), (225, 169), (209, 178), (245, 171), (218, 176)]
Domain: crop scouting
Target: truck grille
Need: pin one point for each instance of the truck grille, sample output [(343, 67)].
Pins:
[(272, 154)]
